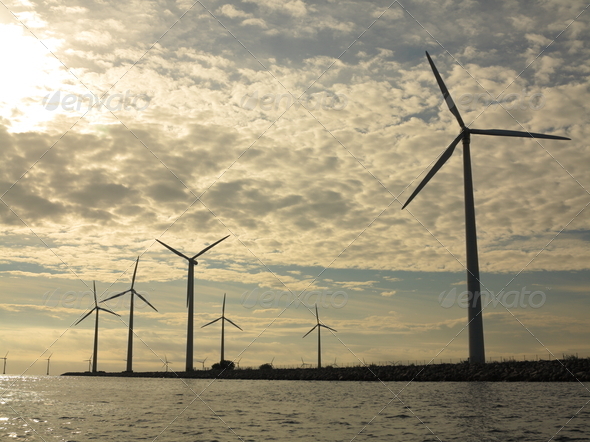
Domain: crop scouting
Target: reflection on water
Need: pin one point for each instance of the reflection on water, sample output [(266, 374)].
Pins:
[(40, 408)]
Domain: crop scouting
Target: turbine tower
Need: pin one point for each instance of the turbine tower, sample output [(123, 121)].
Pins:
[(318, 326), (48, 359), (190, 299), (476, 341), (133, 294), (97, 308), (223, 319), (5, 358)]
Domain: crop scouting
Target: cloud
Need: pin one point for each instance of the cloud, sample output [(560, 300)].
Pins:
[(389, 294)]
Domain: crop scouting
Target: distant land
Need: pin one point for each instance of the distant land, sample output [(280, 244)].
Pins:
[(566, 370)]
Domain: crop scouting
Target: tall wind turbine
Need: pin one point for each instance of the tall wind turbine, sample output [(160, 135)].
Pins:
[(133, 294), (48, 359), (5, 358), (190, 299), (97, 308), (223, 319), (319, 325), (476, 341)]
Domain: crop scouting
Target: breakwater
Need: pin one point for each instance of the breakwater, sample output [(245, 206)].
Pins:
[(568, 370)]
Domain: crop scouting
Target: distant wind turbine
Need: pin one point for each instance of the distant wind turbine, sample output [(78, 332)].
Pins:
[(190, 299), (133, 294), (48, 359), (5, 358), (476, 341), (166, 363), (97, 308), (319, 325), (203, 362), (303, 364), (223, 319), (89, 360)]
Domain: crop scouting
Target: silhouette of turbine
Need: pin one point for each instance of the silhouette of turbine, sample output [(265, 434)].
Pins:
[(97, 308), (48, 359), (203, 362), (190, 299), (5, 358), (476, 341), (166, 363), (89, 360), (304, 364), (318, 326), (133, 294), (223, 319)]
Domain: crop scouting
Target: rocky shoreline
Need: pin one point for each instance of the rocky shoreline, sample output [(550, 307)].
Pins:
[(568, 370)]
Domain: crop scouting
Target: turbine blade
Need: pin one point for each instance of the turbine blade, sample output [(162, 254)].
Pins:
[(212, 322), (116, 296), (314, 327), (329, 328), (108, 311), (445, 92), (134, 272), (145, 300), (515, 133), (95, 301), (173, 250), (442, 160), (223, 308), (85, 316), (232, 323), (316, 314), (208, 247)]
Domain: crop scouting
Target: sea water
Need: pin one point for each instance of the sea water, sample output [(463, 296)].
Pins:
[(45, 408)]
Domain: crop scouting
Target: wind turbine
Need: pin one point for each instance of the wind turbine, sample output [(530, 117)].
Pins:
[(5, 358), (318, 326), (133, 294), (303, 364), (203, 362), (476, 341), (223, 319), (97, 308), (48, 359), (166, 363), (89, 360), (190, 299)]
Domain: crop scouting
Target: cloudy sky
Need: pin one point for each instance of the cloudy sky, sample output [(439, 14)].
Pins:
[(298, 128)]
